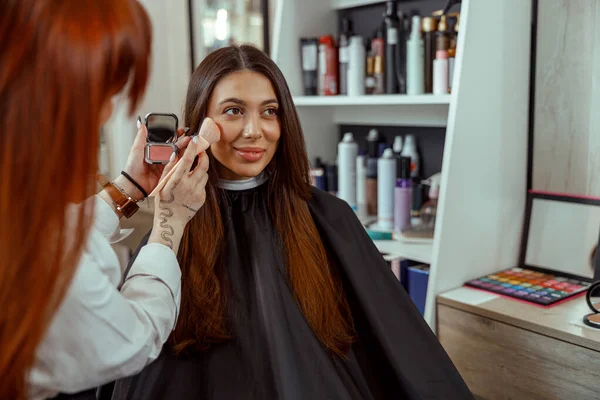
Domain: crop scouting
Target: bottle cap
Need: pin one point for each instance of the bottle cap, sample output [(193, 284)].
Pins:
[(348, 137), (388, 153), (382, 147), (429, 24), (441, 55), (416, 26), (409, 140), (405, 167), (397, 144), (443, 24), (327, 40)]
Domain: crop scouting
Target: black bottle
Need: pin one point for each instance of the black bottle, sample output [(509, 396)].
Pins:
[(343, 54), (392, 71)]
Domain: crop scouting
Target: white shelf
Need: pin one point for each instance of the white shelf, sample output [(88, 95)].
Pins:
[(415, 251), (340, 4), (372, 100)]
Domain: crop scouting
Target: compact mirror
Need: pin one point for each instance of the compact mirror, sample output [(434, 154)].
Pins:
[(162, 128), (593, 300)]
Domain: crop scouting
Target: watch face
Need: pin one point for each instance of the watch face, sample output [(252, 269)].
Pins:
[(129, 208)]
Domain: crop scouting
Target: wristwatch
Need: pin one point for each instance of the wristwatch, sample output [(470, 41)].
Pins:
[(124, 203)]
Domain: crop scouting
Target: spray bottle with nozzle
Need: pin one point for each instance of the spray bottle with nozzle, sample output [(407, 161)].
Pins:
[(429, 209)]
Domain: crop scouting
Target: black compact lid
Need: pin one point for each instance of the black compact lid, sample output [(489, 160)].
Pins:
[(404, 169)]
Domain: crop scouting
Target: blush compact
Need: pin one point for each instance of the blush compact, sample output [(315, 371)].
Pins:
[(162, 134)]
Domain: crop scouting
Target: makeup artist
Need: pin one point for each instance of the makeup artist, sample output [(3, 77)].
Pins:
[(64, 325)]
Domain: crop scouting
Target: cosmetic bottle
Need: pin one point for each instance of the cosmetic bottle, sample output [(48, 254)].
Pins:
[(347, 154), (309, 58), (403, 34), (386, 182), (391, 72), (361, 184), (415, 62), (372, 156), (370, 74), (397, 146), (417, 203), (328, 75), (331, 172), (452, 49), (410, 150), (344, 55), (378, 49), (317, 175), (429, 31), (440, 64), (429, 209), (403, 196), (356, 67)]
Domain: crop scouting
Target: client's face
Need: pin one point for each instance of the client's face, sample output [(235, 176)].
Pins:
[(245, 107)]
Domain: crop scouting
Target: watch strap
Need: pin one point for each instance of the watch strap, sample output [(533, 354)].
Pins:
[(125, 204)]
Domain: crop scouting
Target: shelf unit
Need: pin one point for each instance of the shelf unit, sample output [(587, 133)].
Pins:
[(483, 182)]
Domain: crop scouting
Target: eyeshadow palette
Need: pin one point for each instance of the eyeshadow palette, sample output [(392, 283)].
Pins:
[(533, 285)]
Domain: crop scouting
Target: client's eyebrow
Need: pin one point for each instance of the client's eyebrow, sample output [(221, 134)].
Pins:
[(243, 103)]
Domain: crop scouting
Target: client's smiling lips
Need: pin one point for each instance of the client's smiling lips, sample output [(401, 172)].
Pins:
[(250, 154)]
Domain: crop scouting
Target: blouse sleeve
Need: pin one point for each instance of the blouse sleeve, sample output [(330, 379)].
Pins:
[(100, 334)]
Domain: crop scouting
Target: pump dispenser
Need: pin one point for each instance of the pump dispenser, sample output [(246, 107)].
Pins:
[(415, 62)]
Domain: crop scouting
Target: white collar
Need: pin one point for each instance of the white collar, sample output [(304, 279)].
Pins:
[(243, 184)]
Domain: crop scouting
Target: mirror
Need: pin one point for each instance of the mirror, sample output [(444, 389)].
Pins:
[(566, 144), (162, 128), (562, 236), (593, 298)]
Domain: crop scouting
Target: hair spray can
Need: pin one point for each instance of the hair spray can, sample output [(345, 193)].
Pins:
[(361, 184), (356, 67), (347, 153), (386, 176)]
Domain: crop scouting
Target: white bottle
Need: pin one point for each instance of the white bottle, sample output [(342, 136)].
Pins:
[(347, 153), (410, 150), (386, 183), (440, 72), (361, 185), (356, 66), (415, 59), (397, 146)]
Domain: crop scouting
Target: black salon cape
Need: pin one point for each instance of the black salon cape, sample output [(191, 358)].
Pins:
[(274, 354)]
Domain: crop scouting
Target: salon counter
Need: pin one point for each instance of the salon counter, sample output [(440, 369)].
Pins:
[(507, 349)]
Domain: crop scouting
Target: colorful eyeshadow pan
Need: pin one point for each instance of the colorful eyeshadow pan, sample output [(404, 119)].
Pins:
[(538, 286)]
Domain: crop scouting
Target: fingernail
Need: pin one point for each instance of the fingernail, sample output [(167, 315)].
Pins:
[(139, 122), (173, 156), (186, 130), (196, 139)]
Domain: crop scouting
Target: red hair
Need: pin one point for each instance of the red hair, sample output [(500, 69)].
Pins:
[(61, 61)]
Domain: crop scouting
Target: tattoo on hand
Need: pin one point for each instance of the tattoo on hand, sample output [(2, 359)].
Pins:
[(190, 208), (167, 230)]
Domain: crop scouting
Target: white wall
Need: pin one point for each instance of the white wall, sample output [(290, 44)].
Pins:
[(169, 75)]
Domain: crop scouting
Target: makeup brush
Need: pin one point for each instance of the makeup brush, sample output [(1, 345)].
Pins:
[(209, 134)]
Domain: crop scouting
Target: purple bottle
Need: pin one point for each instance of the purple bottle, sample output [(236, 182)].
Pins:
[(403, 196)]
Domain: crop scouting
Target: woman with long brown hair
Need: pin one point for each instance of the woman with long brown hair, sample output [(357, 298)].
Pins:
[(64, 326), (284, 296)]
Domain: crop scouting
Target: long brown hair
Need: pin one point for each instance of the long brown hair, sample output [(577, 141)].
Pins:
[(316, 288), (60, 61)]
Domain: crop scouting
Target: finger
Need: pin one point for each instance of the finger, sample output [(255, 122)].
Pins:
[(202, 182), (185, 162), (183, 143), (203, 164), (170, 165), (142, 134), (182, 131)]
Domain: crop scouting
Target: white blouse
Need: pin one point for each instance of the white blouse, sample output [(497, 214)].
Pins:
[(99, 334)]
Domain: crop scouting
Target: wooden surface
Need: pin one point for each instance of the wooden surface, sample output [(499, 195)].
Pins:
[(501, 361), (562, 322), (567, 140)]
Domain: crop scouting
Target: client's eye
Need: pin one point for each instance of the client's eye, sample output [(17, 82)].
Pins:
[(271, 112), (233, 111)]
